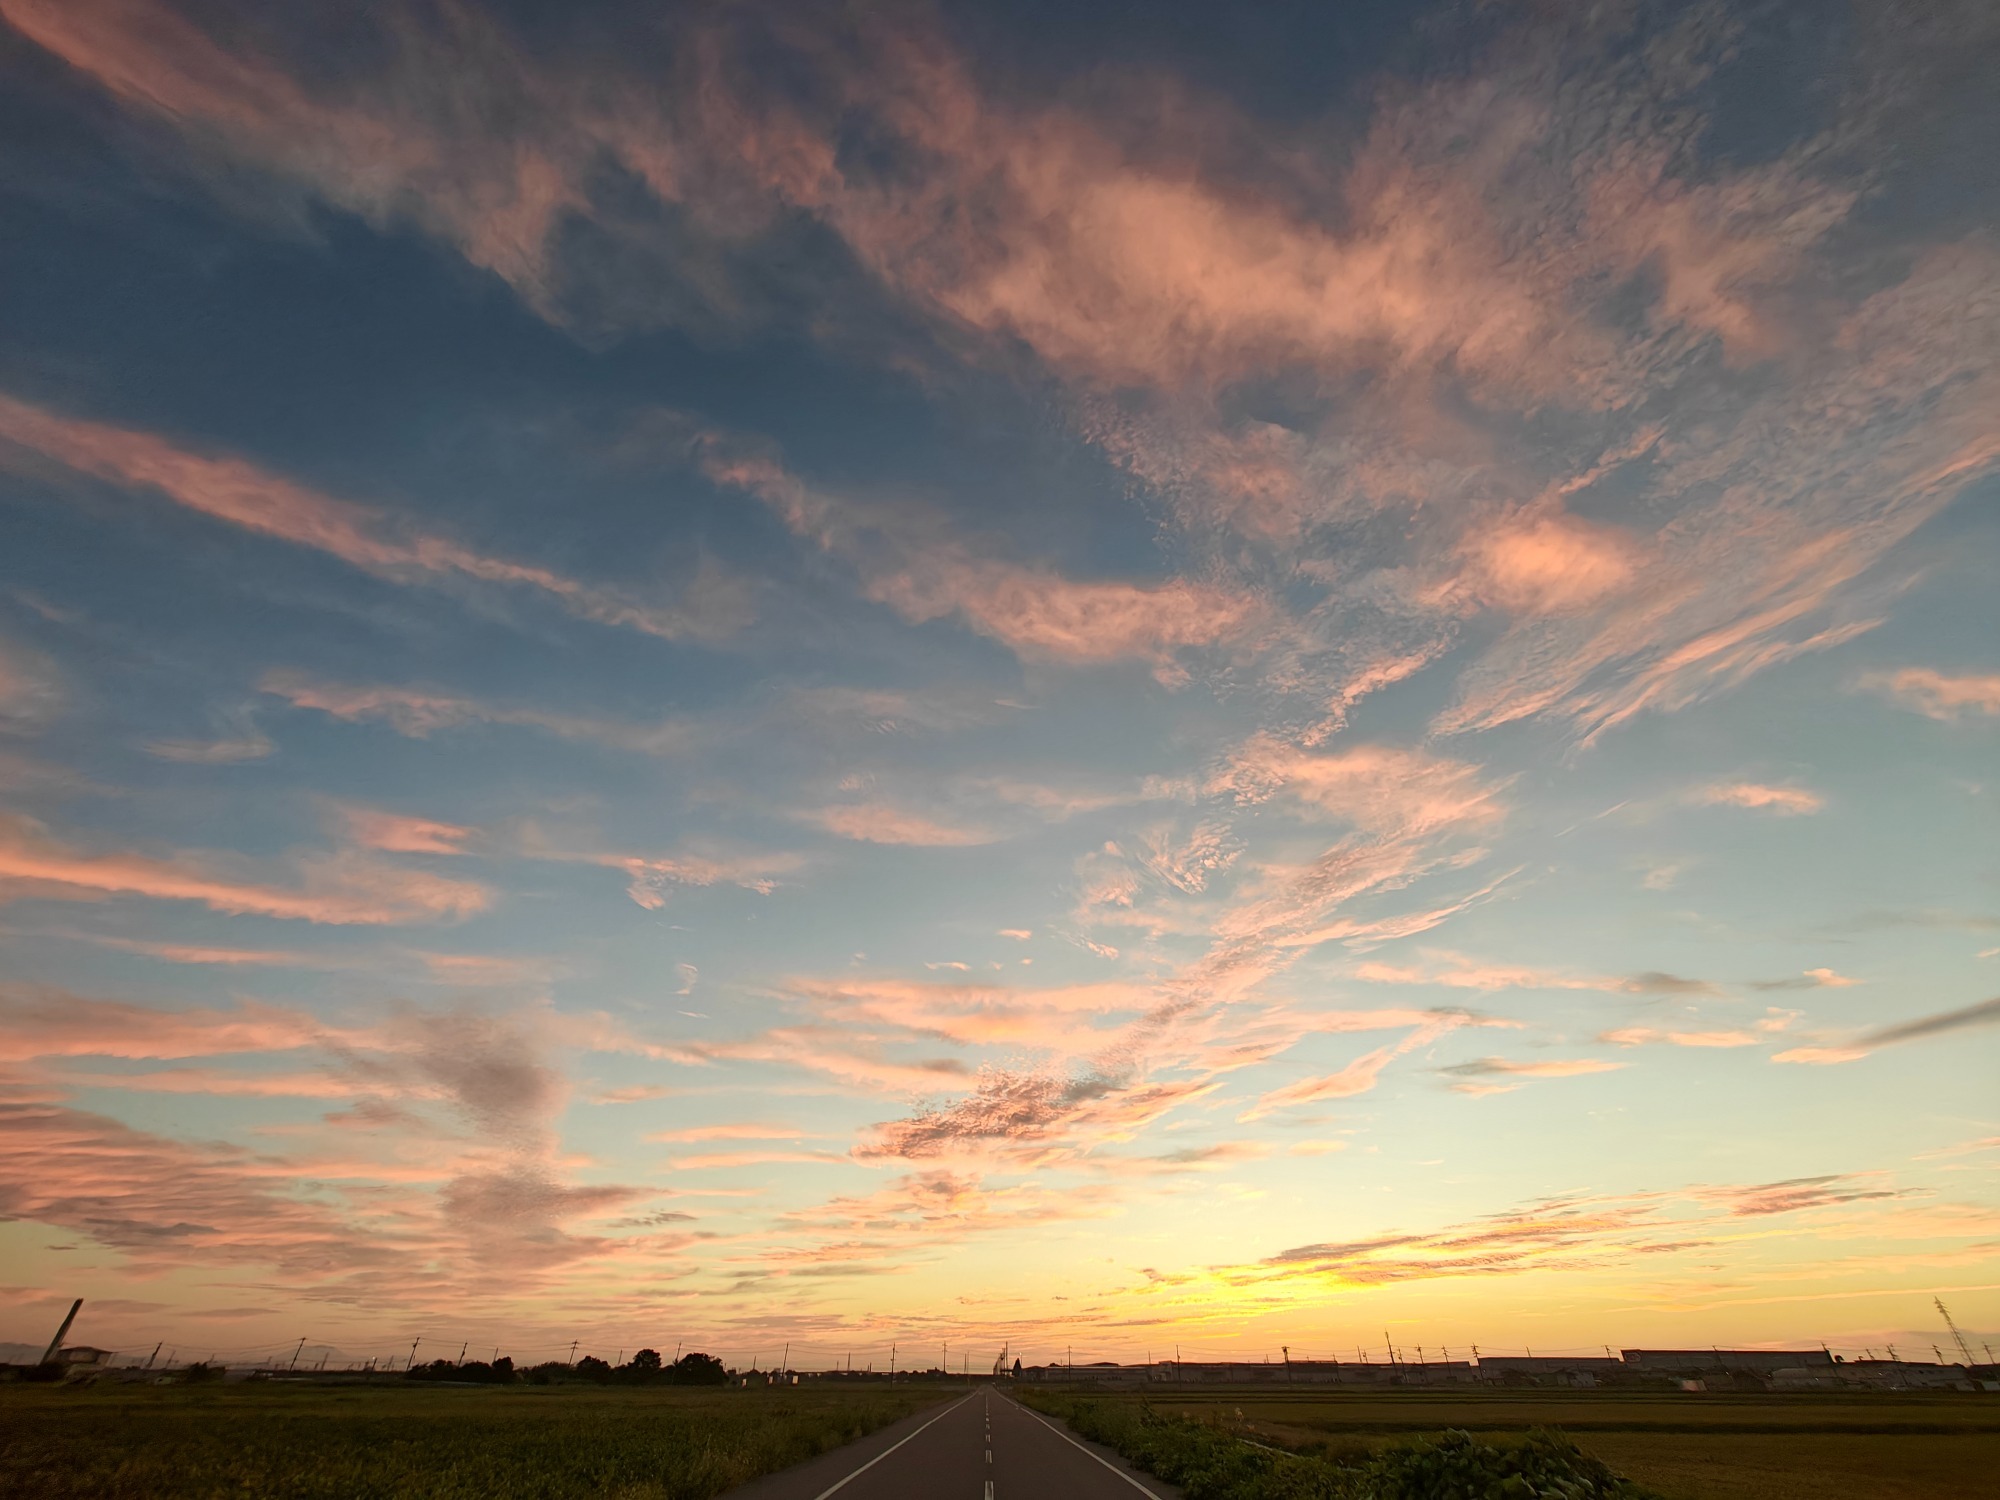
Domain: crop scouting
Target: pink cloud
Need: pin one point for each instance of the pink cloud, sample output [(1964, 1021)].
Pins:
[(239, 493), (1547, 563), (54, 1024), (1468, 974), (396, 833), (1936, 694), (418, 714), (1472, 1077), (739, 1131), (1033, 610), (1381, 788), (337, 889), (1785, 801), (884, 823), (1971, 1017), (1358, 1077)]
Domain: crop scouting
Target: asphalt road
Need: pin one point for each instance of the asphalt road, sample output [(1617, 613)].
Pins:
[(983, 1446)]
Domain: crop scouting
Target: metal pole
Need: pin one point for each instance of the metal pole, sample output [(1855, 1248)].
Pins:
[(55, 1344), (295, 1356)]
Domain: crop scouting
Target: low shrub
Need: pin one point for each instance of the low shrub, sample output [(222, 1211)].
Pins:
[(1210, 1463)]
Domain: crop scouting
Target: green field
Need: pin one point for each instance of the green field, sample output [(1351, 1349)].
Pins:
[(394, 1440), (1941, 1446)]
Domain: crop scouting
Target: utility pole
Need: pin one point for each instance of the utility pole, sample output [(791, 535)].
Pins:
[(572, 1352), (1954, 1330), (1288, 1362), (292, 1366), (155, 1354), (55, 1344), (892, 1364), (461, 1350), (413, 1350), (786, 1366)]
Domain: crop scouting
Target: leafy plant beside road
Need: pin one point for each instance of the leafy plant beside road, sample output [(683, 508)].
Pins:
[(1211, 1463)]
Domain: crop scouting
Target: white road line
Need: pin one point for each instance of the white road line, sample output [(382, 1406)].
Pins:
[(1075, 1444), (989, 1490), (842, 1484)]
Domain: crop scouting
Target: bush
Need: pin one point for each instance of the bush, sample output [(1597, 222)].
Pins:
[(1210, 1464), (1453, 1466)]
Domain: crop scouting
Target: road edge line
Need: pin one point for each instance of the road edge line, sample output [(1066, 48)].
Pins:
[(1066, 1437), (842, 1483)]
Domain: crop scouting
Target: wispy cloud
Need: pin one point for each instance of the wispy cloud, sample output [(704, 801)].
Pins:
[(1936, 694), (885, 823), (1810, 979), (241, 494), (1765, 1029), (399, 833), (1467, 1077), (1985, 1013), (339, 888), (418, 713), (1785, 801), (922, 574)]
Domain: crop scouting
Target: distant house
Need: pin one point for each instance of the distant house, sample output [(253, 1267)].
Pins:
[(83, 1357)]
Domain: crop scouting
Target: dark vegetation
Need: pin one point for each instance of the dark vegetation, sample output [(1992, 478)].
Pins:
[(645, 1368), (1280, 1445), (394, 1440), (1212, 1463)]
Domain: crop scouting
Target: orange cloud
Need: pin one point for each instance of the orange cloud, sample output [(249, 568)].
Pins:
[(339, 889), (1937, 695), (239, 493)]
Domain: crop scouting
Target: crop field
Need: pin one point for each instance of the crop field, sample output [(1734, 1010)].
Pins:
[(517, 1443), (1902, 1446)]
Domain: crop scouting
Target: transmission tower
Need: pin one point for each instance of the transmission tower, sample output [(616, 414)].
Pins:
[(1959, 1337)]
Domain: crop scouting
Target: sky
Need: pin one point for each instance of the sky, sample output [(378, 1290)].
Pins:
[(1091, 678)]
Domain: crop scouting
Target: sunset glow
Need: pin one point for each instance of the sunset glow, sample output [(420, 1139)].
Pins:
[(796, 675)]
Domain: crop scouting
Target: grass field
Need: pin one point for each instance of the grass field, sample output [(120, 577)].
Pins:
[(1942, 1446), (518, 1443)]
